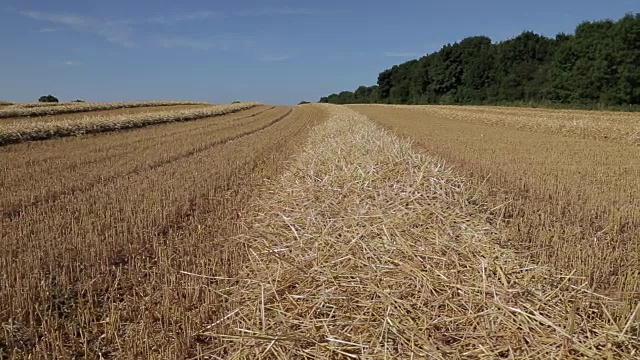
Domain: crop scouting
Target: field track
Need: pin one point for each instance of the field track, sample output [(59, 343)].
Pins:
[(79, 115), (97, 228), (571, 202)]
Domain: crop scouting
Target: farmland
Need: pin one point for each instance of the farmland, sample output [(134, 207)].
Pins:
[(96, 229), (204, 231), (566, 181)]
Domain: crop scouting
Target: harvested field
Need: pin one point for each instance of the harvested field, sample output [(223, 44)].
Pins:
[(80, 115), (43, 109), (101, 264), (569, 202), (245, 234), (17, 132), (71, 165), (365, 249)]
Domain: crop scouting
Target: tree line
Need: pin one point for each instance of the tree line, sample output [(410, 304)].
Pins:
[(597, 65)]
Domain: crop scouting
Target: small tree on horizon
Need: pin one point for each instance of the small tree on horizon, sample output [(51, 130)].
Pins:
[(48, 99)]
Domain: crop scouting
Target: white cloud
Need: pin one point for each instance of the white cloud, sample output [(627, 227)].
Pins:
[(402, 54), (72, 63), (116, 32), (272, 58)]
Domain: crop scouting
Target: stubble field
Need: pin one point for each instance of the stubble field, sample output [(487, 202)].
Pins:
[(197, 231)]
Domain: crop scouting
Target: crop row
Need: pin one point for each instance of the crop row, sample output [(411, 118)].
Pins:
[(27, 131)]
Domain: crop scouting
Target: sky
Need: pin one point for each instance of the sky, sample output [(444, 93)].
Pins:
[(277, 52)]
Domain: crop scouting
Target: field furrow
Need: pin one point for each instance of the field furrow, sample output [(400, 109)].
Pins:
[(109, 262)]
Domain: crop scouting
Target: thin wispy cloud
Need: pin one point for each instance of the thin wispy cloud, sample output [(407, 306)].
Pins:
[(283, 11), (170, 42), (222, 42), (72, 63), (185, 17), (273, 58), (122, 32), (116, 32), (401, 54), (48, 30)]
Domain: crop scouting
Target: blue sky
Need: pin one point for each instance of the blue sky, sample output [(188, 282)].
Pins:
[(278, 52)]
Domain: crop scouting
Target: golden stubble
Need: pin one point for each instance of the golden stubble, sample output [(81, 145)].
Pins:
[(568, 199), (127, 261), (367, 249)]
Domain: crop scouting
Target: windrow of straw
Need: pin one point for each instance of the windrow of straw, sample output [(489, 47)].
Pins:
[(21, 132), (42, 109), (367, 249)]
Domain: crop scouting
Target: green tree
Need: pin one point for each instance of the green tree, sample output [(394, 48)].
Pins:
[(48, 99), (596, 65)]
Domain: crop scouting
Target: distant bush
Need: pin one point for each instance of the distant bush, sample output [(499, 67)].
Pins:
[(48, 99), (304, 102), (78, 100), (236, 102)]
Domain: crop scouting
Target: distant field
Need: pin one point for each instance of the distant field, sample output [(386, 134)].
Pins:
[(610, 126), (29, 129), (79, 115), (566, 182)]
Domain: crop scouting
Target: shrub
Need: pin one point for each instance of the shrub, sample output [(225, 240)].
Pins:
[(48, 99)]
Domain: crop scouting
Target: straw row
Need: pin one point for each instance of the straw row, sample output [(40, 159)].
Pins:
[(42, 109), (365, 249), (21, 132)]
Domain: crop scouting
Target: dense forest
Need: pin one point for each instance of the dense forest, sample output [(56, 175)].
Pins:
[(597, 65)]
